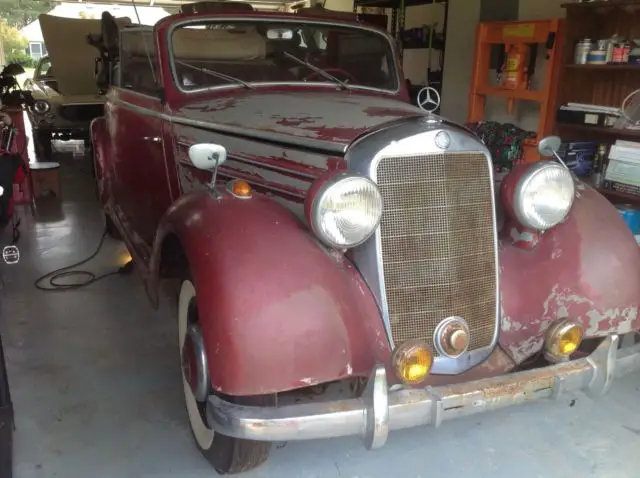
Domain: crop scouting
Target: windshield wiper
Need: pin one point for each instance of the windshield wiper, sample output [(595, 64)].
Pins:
[(319, 71), (218, 74)]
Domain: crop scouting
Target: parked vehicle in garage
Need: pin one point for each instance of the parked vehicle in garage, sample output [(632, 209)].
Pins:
[(325, 230), (63, 86)]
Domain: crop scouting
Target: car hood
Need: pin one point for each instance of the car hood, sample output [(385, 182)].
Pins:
[(72, 58), (333, 118)]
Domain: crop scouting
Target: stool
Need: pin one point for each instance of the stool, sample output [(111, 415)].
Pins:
[(45, 177)]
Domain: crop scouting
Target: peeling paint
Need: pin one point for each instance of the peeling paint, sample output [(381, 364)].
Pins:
[(524, 238), (334, 118), (586, 269), (523, 350)]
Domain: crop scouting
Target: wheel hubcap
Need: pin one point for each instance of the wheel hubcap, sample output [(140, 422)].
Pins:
[(188, 331), (194, 363)]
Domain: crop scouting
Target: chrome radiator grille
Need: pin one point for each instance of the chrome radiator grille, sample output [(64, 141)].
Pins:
[(437, 236)]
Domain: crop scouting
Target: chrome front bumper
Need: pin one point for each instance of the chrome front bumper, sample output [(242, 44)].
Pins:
[(380, 410)]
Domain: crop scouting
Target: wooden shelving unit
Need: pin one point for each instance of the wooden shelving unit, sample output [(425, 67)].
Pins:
[(604, 85), (611, 68), (544, 33)]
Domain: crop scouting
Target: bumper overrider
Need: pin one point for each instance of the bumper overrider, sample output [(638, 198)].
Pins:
[(379, 410)]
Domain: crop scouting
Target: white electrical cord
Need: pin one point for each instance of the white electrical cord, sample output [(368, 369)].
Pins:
[(624, 107)]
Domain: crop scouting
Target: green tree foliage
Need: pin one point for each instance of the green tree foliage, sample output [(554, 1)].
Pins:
[(19, 13), (14, 45)]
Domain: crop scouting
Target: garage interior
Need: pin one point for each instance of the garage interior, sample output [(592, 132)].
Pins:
[(94, 371)]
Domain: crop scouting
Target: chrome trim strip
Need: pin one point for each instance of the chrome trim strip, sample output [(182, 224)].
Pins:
[(381, 410), (303, 143), (253, 162), (248, 179), (417, 136), (300, 20)]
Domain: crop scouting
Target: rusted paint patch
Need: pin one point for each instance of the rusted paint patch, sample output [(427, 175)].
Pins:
[(522, 237), (295, 122), (335, 117), (497, 364), (586, 269)]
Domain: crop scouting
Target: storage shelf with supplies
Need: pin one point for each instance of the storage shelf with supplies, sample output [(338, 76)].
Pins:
[(601, 69)]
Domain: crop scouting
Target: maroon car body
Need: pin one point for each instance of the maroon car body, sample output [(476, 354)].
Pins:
[(279, 310)]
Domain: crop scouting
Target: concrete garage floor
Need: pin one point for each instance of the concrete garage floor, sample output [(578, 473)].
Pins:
[(95, 381)]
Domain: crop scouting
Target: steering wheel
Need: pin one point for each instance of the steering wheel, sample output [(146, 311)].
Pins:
[(332, 71)]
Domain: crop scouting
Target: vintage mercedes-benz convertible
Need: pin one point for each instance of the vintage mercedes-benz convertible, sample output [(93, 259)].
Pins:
[(326, 231)]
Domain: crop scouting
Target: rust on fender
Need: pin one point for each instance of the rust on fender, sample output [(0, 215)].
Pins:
[(278, 310), (587, 268)]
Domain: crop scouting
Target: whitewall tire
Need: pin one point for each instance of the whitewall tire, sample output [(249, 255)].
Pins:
[(201, 431), (226, 454)]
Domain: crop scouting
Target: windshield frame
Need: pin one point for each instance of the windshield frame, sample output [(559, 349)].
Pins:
[(37, 74), (301, 20)]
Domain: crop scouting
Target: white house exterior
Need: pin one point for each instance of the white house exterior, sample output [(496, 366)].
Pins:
[(33, 33)]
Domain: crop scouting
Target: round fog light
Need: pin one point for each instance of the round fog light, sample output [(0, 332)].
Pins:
[(412, 362), (563, 339)]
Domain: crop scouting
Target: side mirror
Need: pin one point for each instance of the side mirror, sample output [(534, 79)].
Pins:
[(549, 146), (207, 156)]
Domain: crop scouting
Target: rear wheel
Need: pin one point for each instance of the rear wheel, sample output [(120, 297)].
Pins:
[(226, 454), (112, 230), (110, 227)]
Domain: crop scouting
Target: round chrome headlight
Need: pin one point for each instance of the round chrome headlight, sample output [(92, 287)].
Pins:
[(346, 210), (544, 195), (41, 106)]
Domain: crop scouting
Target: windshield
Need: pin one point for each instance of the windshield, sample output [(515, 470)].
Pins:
[(243, 53), (44, 69)]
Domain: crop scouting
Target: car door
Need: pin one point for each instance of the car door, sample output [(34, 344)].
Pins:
[(143, 190)]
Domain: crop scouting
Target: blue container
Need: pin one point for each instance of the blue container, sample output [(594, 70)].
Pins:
[(631, 215)]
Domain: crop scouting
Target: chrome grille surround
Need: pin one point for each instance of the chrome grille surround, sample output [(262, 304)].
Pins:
[(415, 139), (437, 244)]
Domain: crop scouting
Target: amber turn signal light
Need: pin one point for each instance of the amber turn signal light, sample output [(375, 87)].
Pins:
[(412, 362), (240, 188), (562, 339)]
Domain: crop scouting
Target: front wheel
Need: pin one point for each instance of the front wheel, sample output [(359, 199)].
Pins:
[(226, 454)]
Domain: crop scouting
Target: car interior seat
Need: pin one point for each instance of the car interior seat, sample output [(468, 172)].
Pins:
[(107, 43)]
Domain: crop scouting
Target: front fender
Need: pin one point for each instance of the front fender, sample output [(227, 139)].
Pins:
[(587, 268), (278, 311)]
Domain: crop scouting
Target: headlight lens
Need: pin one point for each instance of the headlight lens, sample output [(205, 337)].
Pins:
[(544, 195), (412, 362), (346, 211), (41, 106), (563, 338)]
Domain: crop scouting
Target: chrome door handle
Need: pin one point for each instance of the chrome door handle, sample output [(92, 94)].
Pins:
[(152, 139)]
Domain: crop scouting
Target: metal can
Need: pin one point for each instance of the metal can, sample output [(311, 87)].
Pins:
[(618, 53), (626, 49), (599, 166), (609, 50), (583, 47), (597, 57)]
